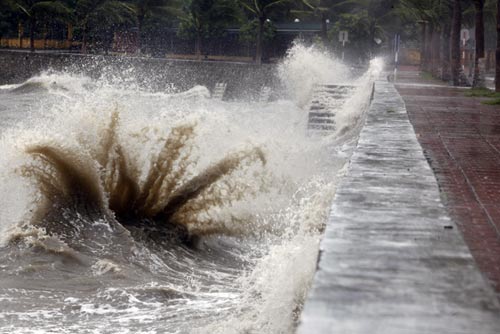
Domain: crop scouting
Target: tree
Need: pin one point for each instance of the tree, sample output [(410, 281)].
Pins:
[(320, 9), (479, 36), (100, 15), (261, 10), (41, 11), (497, 53), (369, 22), (433, 15), (147, 8), (363, 30), (7, 17), (248, 32), (456, 26), (205, 18)]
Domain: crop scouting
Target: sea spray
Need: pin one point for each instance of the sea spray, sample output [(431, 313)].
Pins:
[(306, 66), (245, 177)]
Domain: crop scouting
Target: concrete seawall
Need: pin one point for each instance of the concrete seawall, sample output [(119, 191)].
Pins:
[(153, 73), (391, 259)]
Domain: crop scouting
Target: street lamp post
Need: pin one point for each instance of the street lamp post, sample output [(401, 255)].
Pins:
[(464, 36), (300, 32), (343, 38), (397, 42)]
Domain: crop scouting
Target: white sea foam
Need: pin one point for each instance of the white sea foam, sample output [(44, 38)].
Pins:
[(306, 66)]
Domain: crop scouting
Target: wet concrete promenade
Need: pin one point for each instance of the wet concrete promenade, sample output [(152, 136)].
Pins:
[(392, 260)]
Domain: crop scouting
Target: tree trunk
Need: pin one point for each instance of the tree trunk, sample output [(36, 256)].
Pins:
[(429, 31), (324, 30), (497, 53), (436, 53), (32, 34), (258, 47), (69, 36), (479, 35), (445, 52), (422, 46), (20, 33), (456, 25), (197, 45), (45, 35), (84, 39), (140, 20)]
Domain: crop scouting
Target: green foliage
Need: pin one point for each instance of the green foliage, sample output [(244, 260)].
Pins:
[(248, 31), (8, 18), (315, 9), (261, 10), (363, 19), (494, 102), (433, 11), (362, 28), (427, 76), (105, 13), (264, 9), (482, 92), (494, 97), (147, 9), (97, 19), (36, 12), (207, 18), (42, 10)]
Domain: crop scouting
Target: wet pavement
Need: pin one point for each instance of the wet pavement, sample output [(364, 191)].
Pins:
[(392, 260), (461, 139)]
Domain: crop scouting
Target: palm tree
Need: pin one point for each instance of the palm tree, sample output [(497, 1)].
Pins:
[(95, 14), (433, 14), (84, 11), (42, 10), (144, 8), (206, 17), (261, 9), (479, 35), (441, 24), (497, 53), (192, 23), (456, 26), (7, 17)]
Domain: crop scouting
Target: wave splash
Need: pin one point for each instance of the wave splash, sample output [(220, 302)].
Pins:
[(109, 180)]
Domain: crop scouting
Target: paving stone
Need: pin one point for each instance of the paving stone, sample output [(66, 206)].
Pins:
[(461, 138)]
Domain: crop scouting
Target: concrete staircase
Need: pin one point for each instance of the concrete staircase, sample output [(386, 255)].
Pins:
[(325, 101), (219, 91), (264, 94)]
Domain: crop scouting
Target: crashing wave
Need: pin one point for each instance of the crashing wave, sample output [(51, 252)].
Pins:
[(107, 181)]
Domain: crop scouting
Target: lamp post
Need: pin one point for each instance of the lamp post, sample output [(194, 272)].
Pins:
[(300, 32), (324, 29), (464, 37), (343, 38), (397, 42)]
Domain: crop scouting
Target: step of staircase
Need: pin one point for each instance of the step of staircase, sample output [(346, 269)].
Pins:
[(326, 100)]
